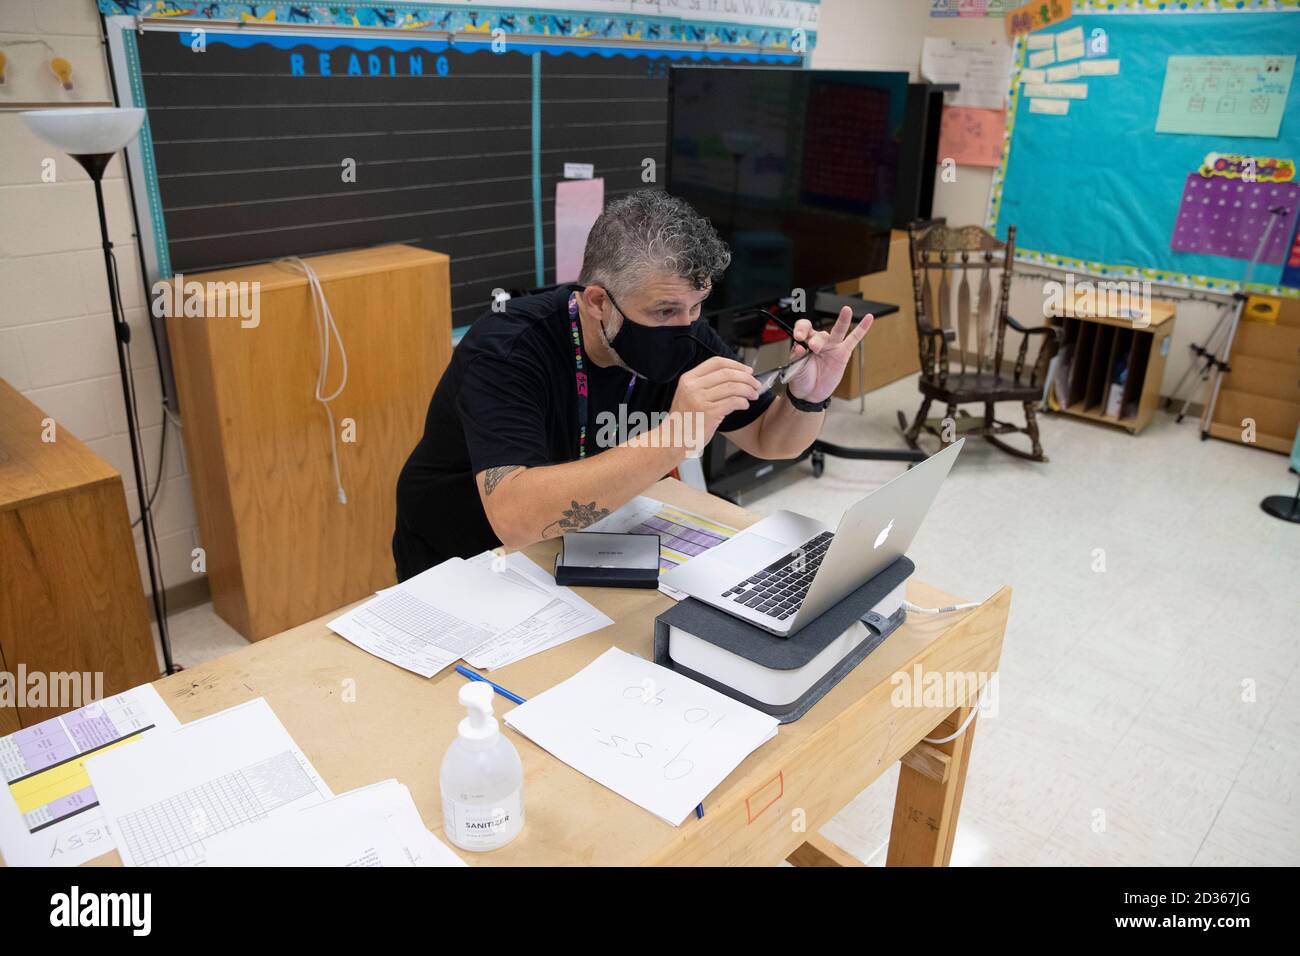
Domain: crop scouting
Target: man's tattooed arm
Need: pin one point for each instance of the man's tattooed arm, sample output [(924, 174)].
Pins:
[(492, 476), (576, 517)]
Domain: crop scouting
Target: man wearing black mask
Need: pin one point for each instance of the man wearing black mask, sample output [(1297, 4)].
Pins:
[(516, 444)]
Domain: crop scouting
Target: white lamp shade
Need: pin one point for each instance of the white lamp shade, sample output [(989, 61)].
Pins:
[(88, 131)]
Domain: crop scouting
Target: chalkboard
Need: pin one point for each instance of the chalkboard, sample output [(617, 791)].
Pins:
[(456, 147)]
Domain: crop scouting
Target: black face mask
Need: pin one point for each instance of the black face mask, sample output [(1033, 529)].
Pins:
[(655, 354)]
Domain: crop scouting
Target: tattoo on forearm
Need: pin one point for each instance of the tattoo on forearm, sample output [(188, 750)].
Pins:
[(492, 476), (576, 517)]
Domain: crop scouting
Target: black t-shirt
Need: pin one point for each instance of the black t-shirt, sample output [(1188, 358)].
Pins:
[(509, 397)]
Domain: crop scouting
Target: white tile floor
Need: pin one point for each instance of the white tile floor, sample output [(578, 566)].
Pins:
[(1149, 712)]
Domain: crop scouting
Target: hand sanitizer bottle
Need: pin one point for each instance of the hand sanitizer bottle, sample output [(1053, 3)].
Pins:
[(482, 779)]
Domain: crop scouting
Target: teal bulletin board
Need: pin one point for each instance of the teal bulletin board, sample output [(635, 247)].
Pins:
[(1100, 191)]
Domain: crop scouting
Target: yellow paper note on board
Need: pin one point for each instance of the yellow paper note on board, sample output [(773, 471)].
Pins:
[(1099, 68), (1067, 38), (1041, 41), (1053, 107), (1056, 74), (1060, 91), (1072, 52), (1033, 76), (1042, 58)]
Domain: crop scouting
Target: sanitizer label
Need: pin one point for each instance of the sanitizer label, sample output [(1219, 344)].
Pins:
[(480, 826)]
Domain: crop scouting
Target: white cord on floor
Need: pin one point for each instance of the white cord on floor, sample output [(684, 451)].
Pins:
[(325, 327), (979, 705)]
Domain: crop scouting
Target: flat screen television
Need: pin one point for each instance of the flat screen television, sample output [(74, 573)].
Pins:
[(797, 169)]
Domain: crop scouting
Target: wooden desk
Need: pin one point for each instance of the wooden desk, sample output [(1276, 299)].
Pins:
[(71, 601), (890, 351), (767, 810)]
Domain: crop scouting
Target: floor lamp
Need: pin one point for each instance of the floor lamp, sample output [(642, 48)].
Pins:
[(92, 137)]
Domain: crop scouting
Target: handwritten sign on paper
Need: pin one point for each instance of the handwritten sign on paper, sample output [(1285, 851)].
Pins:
[(649, 734), (1225, 95), (972, 137)]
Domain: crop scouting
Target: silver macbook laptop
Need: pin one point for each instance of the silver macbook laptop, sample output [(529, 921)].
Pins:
[(782, 572)]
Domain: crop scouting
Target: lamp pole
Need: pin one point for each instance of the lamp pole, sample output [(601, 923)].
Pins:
[(95, 166)]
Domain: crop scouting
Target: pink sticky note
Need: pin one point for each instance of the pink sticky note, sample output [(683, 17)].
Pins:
[(972, 136), (578, 203)]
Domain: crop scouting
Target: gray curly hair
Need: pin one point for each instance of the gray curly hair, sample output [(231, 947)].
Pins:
[(647, 232)]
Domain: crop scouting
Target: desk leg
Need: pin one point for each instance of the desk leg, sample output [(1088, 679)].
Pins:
[(928, 800), (819, 851)]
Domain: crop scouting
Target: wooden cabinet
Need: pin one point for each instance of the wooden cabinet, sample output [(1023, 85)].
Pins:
[(71, 600), (891, 348), (1264, 385), (280, 546), (1110, 367)]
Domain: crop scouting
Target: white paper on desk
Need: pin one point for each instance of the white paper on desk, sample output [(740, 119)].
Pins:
[(566, 616), (377, 825), (437, 617), (173, 795), (649, 734), (49, 812)]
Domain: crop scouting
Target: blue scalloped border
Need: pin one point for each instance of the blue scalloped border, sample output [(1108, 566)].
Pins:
[(574, 24)]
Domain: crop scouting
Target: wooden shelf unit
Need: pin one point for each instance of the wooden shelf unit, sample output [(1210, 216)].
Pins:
[(1093, 347), (1264, 384), (281, 548), (71, 600)]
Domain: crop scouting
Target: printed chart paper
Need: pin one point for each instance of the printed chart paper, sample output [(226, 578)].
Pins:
[(566, 617), (982, 67), (649, 734), (1227, 217), (50, 814), (1225, 95), (372, 826), (437, 617), (167, 798)]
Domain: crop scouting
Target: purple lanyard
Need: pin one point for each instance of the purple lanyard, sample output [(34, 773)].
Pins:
[(580, 374)]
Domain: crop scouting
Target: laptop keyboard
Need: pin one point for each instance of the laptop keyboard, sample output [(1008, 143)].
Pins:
[(779, 588)]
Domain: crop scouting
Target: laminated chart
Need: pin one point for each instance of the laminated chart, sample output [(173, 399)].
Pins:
[(1227, 217), (49, 813)]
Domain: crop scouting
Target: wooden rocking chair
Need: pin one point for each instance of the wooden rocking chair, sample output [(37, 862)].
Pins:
[(975, 374)]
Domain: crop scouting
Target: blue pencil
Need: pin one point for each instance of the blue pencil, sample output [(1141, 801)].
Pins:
[(496, 687), (508, 695)]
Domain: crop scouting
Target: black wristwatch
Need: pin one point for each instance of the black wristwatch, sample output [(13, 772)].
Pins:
[(802, 406)]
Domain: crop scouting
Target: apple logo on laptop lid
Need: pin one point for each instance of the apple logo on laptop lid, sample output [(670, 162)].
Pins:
[(880, 538)]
